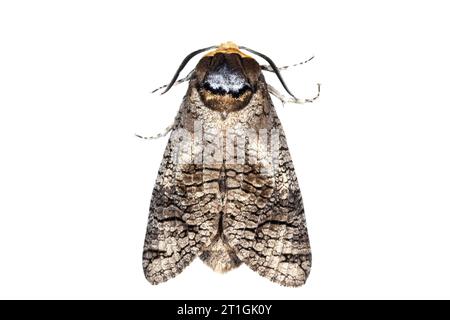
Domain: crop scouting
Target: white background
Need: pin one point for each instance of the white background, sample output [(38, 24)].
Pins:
[(372, 155)]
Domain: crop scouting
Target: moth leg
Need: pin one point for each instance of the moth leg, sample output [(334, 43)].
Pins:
[(157, 136), (284, 99), (269, 68), (187, 78)]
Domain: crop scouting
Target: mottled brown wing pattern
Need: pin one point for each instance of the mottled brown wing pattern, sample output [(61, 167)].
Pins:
[(227, 199), (228, 213), (178, 226), (265, 221)]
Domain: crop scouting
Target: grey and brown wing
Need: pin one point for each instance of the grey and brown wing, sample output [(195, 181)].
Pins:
[(265, 221), (182, 218)]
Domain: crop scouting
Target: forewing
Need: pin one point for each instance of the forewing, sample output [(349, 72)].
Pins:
[(182, 218), (265, 222)]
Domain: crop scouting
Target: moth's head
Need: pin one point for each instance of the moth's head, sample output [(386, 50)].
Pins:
[(227, 78)]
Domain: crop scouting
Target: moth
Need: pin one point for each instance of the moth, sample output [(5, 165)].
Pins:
[(226, 190)]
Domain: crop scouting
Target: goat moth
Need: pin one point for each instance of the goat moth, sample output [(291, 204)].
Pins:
[(226, 189)]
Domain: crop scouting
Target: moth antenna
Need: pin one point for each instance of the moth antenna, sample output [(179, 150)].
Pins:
[(285, 99), (269, 68), (157, 136), (183, 64), (180, 81), (273, 66)]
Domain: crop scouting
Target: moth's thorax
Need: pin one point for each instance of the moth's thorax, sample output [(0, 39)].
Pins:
[(226, 79)]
